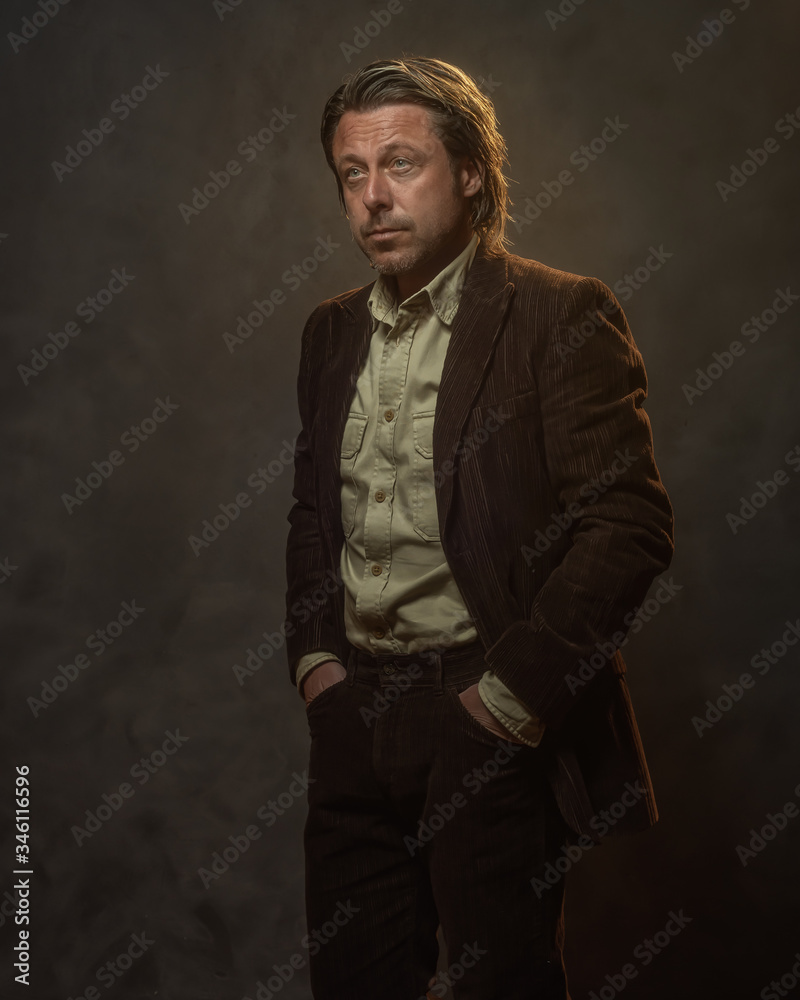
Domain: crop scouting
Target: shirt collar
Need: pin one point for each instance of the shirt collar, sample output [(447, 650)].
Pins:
[(443, 292)]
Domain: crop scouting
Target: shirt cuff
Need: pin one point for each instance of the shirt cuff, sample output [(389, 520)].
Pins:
[(510, 711), (307, 662)]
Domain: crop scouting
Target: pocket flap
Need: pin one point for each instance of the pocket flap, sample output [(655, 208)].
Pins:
[(353, 433), (423, 432)]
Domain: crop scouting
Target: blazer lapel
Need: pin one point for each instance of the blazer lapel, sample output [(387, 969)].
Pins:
[(348, 345), (484, 300)]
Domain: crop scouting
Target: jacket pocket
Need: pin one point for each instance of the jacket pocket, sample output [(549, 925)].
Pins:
[(425, 514), (492, 415), (352, 440)]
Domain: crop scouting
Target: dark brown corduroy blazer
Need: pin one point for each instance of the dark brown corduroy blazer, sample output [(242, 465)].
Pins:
[(554, 522)]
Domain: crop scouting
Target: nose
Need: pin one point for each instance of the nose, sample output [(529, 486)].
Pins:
[(377, 195)]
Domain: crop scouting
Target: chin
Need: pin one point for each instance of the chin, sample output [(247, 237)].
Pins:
[(395, 263), (387, 267)]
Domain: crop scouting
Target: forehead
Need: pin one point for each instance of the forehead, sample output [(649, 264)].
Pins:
[(390, 123)]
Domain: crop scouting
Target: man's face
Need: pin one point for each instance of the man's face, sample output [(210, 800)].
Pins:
[(408, 209)]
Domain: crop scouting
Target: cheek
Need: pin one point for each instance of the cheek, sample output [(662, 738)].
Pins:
[(437, 207)]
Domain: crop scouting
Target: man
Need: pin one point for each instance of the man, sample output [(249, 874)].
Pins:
[(478, 516)]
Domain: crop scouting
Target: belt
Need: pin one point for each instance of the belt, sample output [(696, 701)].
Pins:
[(424, 668)]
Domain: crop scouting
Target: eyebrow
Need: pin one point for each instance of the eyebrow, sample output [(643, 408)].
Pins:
[(383, 152)]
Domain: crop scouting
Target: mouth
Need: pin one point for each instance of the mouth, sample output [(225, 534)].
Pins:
[(384, 233)]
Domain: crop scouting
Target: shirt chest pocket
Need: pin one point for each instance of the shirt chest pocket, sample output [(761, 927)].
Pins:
[(425, 515), (352, 441)]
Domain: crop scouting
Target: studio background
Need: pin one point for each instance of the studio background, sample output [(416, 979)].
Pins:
[(156, 703)]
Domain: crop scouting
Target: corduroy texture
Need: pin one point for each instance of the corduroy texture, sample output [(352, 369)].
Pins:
[(551, 355)]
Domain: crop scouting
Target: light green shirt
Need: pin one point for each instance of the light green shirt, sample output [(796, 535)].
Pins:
[(400, 594)]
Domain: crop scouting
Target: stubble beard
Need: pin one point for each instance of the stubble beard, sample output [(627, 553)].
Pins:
[(402, 261)]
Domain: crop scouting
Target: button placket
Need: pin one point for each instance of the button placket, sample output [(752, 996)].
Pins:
[(378, 516)]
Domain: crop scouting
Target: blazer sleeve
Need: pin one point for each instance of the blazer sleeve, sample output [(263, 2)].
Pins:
[(309, 625), (599, 457)]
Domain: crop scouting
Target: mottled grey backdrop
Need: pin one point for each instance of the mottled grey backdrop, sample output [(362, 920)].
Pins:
[(156, 707)]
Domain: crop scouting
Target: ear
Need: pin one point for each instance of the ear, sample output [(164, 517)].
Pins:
[(470, 175)]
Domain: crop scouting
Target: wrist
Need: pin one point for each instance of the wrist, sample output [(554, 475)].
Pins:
[(306, 675)]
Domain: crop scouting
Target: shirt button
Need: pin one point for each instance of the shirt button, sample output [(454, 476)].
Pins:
[(378, 633), (380, 496), (388, 415), (376, 569)]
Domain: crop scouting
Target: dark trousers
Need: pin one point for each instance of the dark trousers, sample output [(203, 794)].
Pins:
[(418, 816)]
